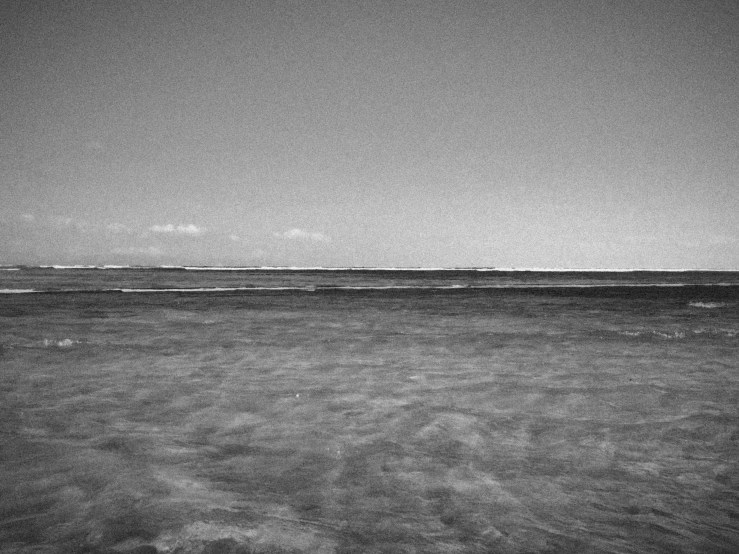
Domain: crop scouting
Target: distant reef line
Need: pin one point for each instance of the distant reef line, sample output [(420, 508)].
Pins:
[(19, 267)]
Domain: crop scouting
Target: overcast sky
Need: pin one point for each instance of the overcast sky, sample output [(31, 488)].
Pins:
[(553, 133)]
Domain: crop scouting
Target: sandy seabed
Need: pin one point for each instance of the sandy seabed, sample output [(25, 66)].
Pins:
[(368, 425)]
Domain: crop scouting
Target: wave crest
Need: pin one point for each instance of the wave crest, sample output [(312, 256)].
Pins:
[(63, 343), (708, 305)]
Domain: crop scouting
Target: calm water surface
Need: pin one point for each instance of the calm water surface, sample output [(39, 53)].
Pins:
[(319, 413)]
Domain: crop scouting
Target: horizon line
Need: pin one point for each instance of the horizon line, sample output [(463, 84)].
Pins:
[(353, 268)]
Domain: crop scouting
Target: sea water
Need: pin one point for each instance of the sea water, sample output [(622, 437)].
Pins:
[(314, 411)]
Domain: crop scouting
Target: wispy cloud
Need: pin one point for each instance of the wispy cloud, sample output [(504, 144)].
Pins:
[(57, 223), (188, 229), (300, 234), (69, 223), (152, 251)]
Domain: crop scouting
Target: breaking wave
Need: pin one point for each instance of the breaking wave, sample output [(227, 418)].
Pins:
[(17, 291), (63, 343), (682, 333), (708, 305), (326, 288)]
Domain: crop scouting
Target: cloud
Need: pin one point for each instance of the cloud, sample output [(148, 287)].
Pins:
[(57, 222), (69, 223), (146, 251), (189, 229), (299, 234)]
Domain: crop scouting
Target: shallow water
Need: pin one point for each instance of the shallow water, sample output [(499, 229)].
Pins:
[(470, 420)]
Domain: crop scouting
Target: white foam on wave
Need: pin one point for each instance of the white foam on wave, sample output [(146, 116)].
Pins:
[(682, 333), (300, 289), (329, 288), (392, 268), (63, 343), (708, 305), (215, 268), (456, 286), (721, 331), (17, 291), (69, 266), (211, 289), (193, 289), (398, 287), (461, 268), (670, 335)]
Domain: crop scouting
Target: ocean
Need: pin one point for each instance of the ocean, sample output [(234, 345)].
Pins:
[(266, 410)]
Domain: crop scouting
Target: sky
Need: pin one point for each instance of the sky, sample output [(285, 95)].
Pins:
[(553, 133)]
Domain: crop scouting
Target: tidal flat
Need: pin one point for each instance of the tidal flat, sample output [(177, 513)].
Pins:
[(444, 422)]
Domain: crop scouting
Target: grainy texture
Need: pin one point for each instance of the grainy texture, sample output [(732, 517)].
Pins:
[(404, 420)]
